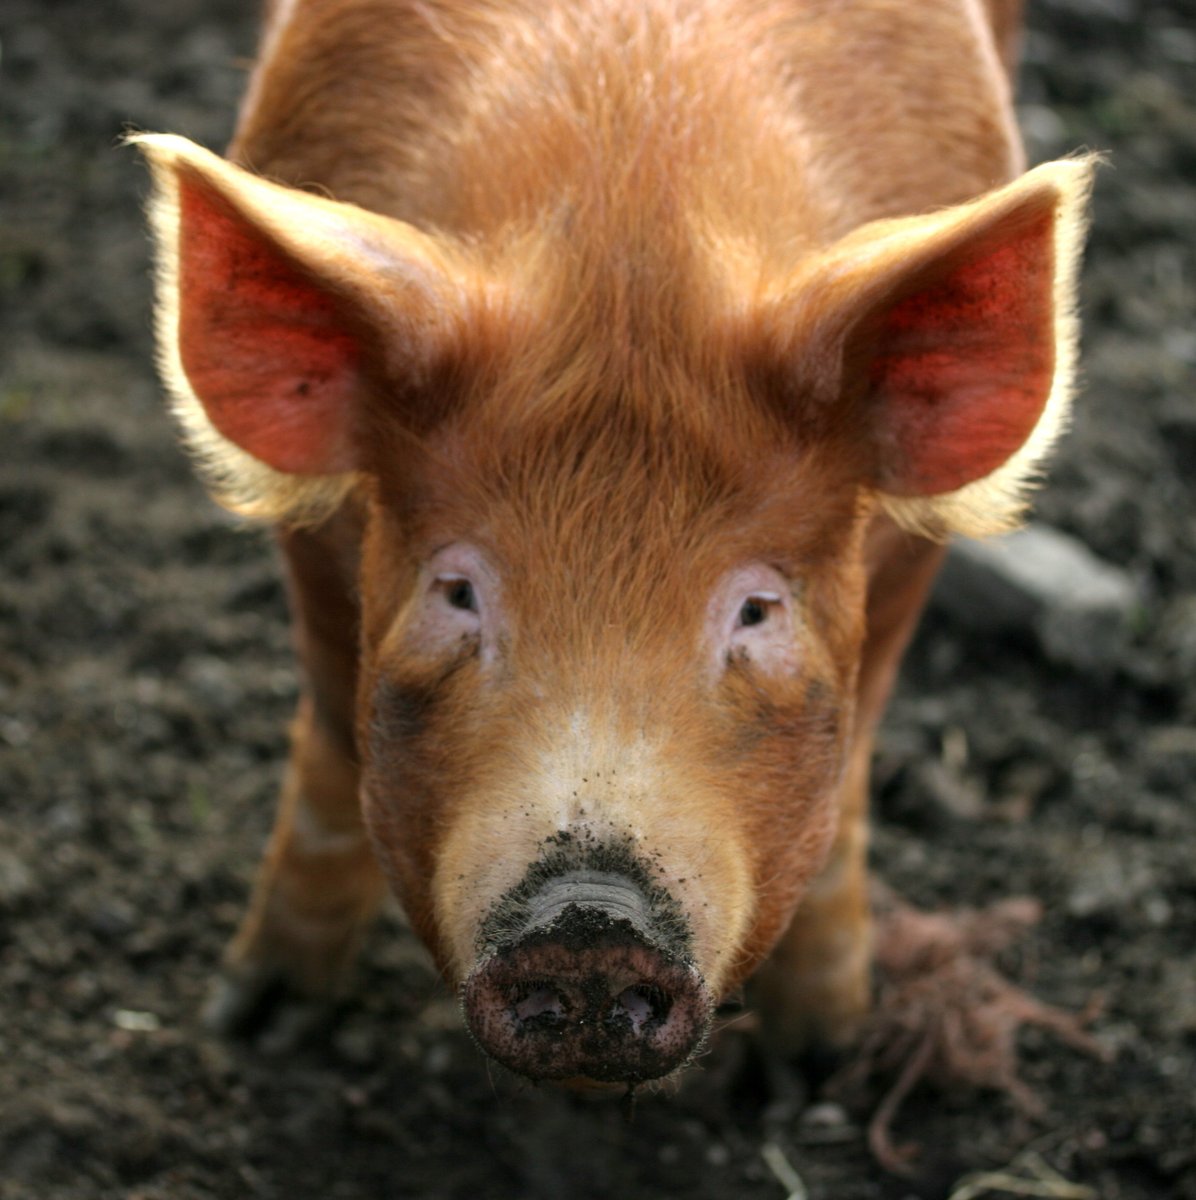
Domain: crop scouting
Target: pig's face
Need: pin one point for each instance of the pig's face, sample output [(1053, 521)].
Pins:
[(617, 470), (609, 654)]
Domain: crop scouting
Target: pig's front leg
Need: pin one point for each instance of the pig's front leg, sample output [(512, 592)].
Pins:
[(319, 884), (817, 984)]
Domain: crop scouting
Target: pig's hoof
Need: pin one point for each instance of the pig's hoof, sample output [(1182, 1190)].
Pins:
[(263, 1010), (585, 993)]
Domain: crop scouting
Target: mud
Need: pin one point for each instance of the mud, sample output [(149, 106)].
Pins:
[(146, 682), (568, 855)]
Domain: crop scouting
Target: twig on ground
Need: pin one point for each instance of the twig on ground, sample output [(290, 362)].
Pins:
[(946, 1014), (782, 1168), (1040, 1180)]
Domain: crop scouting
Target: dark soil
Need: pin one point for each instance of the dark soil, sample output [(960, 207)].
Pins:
[(146, 683)]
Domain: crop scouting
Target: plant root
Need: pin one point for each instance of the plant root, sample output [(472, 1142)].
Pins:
[(946, 1015)]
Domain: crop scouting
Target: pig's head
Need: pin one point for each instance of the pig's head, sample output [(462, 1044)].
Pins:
[(613, 581)]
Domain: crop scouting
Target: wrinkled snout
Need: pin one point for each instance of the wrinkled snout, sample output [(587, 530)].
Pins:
[(588, 987)]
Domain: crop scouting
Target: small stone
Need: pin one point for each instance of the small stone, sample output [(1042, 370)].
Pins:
[(16, 880), (133, 1021), (825, 1115)]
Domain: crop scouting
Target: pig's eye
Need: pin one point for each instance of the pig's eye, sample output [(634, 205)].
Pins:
[(460, 594), (753, 621), (755, 610)]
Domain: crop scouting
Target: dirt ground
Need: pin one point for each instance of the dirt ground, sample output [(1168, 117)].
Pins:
[(146, 682)]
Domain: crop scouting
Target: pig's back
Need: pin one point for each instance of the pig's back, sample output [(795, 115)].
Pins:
[(792, 121)]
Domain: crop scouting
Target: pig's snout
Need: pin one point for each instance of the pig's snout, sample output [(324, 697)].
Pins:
[(587, 989)]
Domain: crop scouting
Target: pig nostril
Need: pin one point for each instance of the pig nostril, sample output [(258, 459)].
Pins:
[(587, 989), (541, 1004), (641, 1004)]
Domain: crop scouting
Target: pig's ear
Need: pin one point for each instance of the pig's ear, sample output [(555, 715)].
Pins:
[(275, 308), (950, 341)]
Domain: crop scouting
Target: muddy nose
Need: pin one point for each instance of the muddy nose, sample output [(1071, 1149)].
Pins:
[(587, 989)]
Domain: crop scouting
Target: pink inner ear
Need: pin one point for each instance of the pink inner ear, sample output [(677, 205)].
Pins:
[(962, 369), (264, 347)]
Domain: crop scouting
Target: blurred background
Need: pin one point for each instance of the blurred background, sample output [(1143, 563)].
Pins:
[(1043, 742)]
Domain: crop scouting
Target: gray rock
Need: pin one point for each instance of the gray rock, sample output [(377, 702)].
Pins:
[(1079, 607)]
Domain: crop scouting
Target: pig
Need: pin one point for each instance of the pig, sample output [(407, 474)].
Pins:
[(613, 372)]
